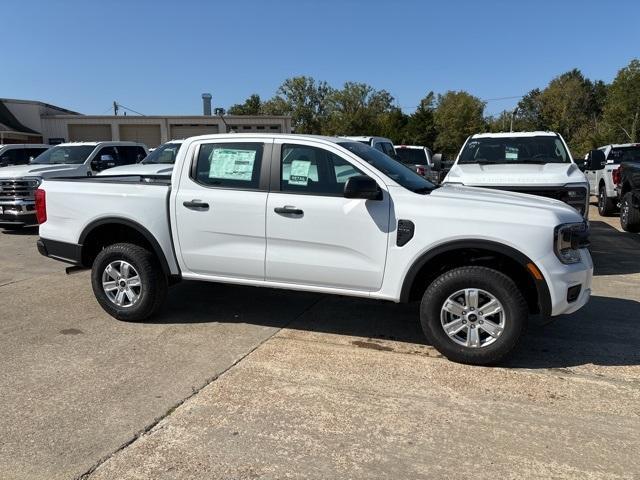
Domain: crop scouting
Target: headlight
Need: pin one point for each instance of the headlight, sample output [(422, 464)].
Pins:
[(568, 239), (576, 196), (34, 182)]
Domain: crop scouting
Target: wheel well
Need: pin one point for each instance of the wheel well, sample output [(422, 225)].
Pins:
[(463, 257), (106, 234)]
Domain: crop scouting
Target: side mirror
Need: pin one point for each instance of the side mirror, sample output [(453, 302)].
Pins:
[(361, 186), (437, 162), (596, 160)]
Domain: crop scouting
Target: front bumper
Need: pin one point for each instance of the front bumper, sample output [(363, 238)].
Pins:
[(18, 212), (560, 278)]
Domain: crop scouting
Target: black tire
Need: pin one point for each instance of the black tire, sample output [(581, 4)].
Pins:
[(606, 205), (153, 283), (491, 281), (629, 215)]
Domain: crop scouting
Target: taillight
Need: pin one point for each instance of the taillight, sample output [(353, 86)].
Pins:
[(616, 175), (421, 170), (41, 206)]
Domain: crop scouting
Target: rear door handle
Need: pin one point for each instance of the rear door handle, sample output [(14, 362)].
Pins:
[(196, 205), (287, 210)]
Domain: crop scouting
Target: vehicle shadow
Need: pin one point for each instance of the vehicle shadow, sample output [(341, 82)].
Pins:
[(603, 333), (613, 252), (32, 230)]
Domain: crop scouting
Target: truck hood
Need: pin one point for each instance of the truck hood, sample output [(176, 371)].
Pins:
[(495, 199), (34, 170), (517, 174), (140, 169)]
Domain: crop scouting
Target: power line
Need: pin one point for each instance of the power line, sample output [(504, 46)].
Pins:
[(129, 109)]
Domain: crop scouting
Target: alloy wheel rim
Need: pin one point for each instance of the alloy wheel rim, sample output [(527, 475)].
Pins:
[(473, 318), (121, 284)]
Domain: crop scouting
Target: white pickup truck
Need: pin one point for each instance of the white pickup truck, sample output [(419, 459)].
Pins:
[(326, 215), (537, 163), (599, 170), (18, 183)]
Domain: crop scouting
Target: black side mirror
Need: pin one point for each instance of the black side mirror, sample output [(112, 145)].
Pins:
[(361, 186), (437, 162), (597, 160)]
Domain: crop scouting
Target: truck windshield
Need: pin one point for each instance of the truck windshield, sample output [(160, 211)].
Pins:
[(412, 156), (390, 167), (514, 150), (70, 154), (163, 154), (624, 154)]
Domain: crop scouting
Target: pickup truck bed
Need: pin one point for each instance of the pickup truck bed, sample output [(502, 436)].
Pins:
[(69, 200)]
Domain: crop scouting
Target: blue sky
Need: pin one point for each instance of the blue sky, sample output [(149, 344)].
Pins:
[(157, 57)]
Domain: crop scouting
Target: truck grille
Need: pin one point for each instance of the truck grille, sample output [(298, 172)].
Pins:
[(17, 189)]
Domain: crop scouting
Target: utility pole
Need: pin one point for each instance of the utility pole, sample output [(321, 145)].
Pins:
[(513, 114), (115, 108)]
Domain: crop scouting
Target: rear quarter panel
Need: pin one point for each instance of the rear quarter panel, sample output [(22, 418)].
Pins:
[(73, 206)]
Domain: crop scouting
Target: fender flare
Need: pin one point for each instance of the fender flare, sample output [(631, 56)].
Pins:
[(148, 236), (542, 289)]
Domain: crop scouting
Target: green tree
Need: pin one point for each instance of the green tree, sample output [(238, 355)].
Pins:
[(251, 106), (306, 102), (622, 106), (358, 109), (457, 115), (421, 127), (528, 115)]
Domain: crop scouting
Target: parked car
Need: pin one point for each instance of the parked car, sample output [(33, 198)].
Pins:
[(19, 183), (159, 162), (379, 143), (629, 192), (600, 173), (537, 163), (417, 158), (20, 154), (480, 261)]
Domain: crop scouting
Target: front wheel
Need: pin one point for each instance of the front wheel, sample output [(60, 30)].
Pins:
[(606, 205), (629, 215), (473, 315), (128, 282)]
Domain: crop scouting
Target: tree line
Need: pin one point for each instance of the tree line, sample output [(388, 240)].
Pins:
[(586, 113)]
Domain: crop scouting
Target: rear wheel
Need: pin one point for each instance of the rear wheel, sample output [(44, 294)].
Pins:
[(128, 282), (629, 215), (606, 205), (473, 315)]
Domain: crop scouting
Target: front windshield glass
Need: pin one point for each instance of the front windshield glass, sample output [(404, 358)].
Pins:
[(624, 154), (163, 154), (395, 170), (513, 150), (71, 154)]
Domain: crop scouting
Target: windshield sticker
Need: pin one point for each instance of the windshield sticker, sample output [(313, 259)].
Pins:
[(299, 174), (510, 153), (232, 164)]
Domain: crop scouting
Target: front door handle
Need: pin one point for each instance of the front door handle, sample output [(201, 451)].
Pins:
[(288, 210), (196, 205)]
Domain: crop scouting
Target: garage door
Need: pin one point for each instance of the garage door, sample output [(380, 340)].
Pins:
[(185, 131), (89, 132), (147, 134)]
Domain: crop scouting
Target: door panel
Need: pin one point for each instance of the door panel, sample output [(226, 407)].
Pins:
[(221, 225), (315, 236), (337, 242)]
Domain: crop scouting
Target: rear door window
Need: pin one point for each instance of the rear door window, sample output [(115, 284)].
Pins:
[(229, 165), (15, 156), (128, 155)]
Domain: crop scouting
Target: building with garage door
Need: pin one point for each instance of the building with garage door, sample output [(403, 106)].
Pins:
[(53, 125)]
